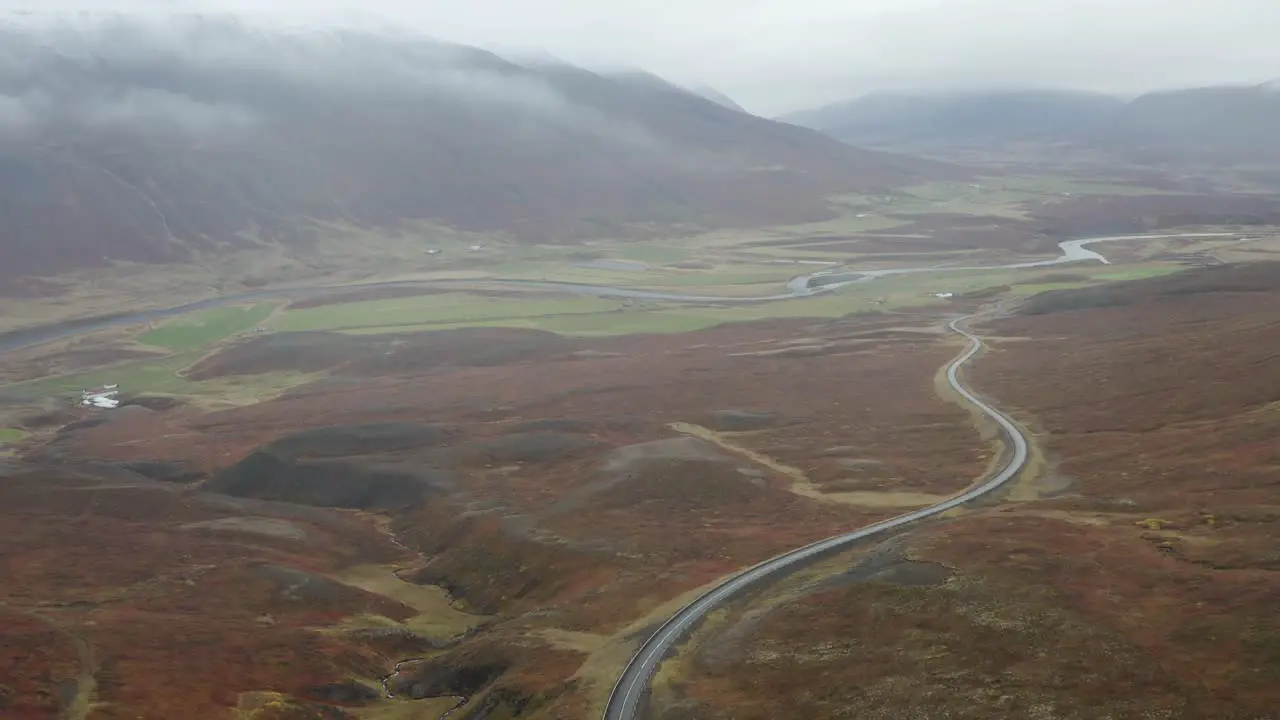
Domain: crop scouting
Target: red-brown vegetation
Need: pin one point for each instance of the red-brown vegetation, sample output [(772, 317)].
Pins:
[(557, 496), (1143, 581), (177, 620)]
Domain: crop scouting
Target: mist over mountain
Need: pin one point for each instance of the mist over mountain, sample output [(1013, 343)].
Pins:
[(962, 119), (1228, 124), (157, 139), (718, 97), (1223, 124)]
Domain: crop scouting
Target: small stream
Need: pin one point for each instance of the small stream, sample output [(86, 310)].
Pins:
[(459, 701), (801, 286)]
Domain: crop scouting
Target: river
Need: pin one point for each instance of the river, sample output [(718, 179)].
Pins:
[(797, 287)]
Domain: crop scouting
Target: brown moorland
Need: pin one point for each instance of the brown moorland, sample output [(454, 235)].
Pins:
[(1133, 575), (566, 490), (136, 599)]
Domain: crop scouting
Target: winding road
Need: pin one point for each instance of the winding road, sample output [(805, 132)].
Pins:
[(625, 700)]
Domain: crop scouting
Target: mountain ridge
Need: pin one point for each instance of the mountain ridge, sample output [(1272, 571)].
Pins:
[(1217, 124), (154, 142)]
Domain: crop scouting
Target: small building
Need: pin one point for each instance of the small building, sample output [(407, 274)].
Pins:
[(106, 397)]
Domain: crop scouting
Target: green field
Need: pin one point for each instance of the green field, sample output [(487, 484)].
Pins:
[(721, 273), (663, 320), (653, 254), (161, 377), (457, 308), (676, 318), (1037, 288), (600, 317), (11, 435), (203, 328), (1000, 197), (566, 315), (155, 376), (775, 277), (1138, 273)]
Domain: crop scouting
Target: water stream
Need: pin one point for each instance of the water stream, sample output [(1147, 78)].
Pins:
[(801, 286)]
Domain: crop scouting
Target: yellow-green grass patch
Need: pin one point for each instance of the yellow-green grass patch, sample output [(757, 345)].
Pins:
[(205, 327)]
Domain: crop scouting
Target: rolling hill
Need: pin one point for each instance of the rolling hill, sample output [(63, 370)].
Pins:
[(1215, 125), (1226, 124), (161, 141), (959, 120)]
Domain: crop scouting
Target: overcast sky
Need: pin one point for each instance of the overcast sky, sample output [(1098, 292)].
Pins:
[(778, 55)]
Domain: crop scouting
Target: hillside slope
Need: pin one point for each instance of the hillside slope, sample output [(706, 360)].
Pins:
[(1226, 124), (962, 119), (1217, 125), (1132, 574), (163, 141)]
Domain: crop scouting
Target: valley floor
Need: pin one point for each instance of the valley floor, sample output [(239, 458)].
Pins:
[(299, 522)]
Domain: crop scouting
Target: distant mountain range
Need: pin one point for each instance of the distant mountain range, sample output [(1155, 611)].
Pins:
[(1215, 125), (161, 140)]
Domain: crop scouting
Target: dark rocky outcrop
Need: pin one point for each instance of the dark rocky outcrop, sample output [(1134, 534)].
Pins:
[(365, 439), (164, 471), (267, 475)]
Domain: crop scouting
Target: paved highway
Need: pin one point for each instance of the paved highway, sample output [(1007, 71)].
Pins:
[(625, 701)]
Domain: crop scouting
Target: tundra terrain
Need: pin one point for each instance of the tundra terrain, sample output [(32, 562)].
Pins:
[(445, 379), (1130, 574), (507, 509)]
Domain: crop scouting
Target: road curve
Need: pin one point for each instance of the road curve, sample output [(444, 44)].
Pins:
[(624, 702)]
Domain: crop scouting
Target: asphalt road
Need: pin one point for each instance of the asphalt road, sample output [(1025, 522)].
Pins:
[(625, 701)]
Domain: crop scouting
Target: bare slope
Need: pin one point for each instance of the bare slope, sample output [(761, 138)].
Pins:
[(1134, 575), (164, 141), (1216, 125)]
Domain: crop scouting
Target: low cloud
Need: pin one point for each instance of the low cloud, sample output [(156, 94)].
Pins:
[(143, 106), (16, 117), (210, 77)]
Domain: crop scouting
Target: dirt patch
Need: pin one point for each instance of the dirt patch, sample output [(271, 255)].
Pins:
[(686, 485), (628, 458), (436, 617), (266, 527), (640, 463), (802, 485)]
